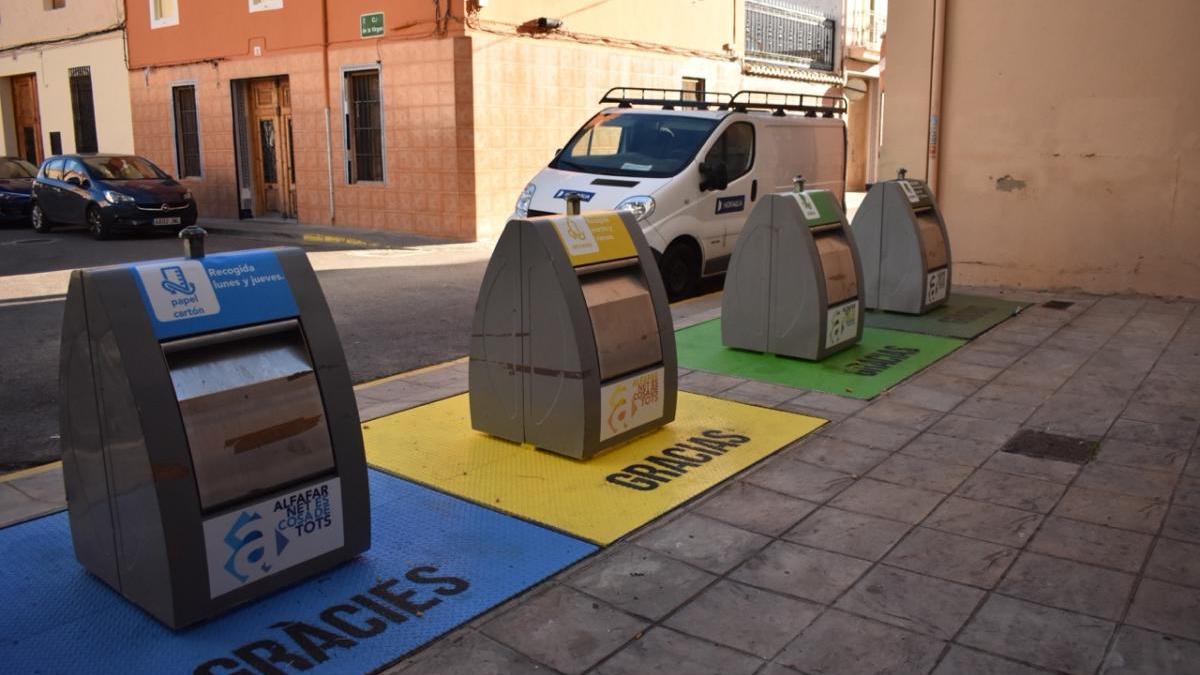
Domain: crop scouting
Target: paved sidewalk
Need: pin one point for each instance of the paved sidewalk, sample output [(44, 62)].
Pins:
[(318, 234), (899, 538)]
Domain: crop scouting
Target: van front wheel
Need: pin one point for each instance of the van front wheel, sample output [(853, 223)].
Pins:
[(680, 266)]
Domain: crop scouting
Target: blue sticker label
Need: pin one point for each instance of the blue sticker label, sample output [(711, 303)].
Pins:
[(731, 204), (226, 290), (583, 196)]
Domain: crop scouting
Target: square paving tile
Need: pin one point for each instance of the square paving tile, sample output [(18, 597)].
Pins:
[(665, 651), (921, 473), (819, 400), (949, 556), (706, 543), (1114, 510), (709, 384), (1167, 608), (1095, 544), (1142, 456), (745, 618), (993, 409), (1052, 638), (46, 486), (1034, 467), (981, 520), (564, 629), (1143, 652), (871, 434), (1127, 481), (854, 534), (832, 453), (988, 431), (1168, 434), (949, 449), (760, 393), (469, 652), (926, 397), (801, 571), (640, 581), (950, 384), (1175, 561), (1183, 523), (919, 603), (1069, 585), (962, 661), (886, 500), (1008, 490), (888, 411), (756, 509), (1187, 493), (799, 479), (842, 644)]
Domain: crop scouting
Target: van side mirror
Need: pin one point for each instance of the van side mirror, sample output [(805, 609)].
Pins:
[(713, 176)]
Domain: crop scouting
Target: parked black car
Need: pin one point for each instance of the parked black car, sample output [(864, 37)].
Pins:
[(109, 193), (16, 188)]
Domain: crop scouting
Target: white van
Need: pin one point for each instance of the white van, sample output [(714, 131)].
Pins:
[(691, 170)]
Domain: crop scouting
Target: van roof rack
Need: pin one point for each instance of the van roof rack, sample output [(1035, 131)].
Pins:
[(669, 99), (780, 103), (743, 101)]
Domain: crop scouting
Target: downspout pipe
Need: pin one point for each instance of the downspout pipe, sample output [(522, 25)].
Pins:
[(935, 94), (328, 119)]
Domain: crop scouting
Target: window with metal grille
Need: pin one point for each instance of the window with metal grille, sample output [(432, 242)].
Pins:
[(364, 127), (187, 131), (82, 109)]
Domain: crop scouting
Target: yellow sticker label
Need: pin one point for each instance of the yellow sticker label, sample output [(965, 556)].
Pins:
[(600, 499), (594, 237)]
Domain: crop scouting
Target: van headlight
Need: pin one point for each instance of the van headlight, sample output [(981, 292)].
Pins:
[(641, 206), (524, 200)]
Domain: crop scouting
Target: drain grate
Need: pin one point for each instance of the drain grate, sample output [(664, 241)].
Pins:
[(1057, 304), (1043, 445)]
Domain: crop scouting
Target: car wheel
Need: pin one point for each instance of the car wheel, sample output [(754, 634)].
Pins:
[(96, 224), (39, 220), (680, 267)]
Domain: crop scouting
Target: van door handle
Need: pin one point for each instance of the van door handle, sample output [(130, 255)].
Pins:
[(754, 189)]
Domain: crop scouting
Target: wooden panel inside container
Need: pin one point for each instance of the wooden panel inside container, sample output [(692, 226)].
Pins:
[(623, 322), (932, 241), (837, 263)]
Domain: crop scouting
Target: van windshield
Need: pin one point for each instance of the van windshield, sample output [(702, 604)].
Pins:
[(632, 144)]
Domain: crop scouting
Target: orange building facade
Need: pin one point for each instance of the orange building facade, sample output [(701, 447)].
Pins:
[(428, 119)]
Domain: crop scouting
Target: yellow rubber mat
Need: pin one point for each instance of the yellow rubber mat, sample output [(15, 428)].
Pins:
[(600, 499)]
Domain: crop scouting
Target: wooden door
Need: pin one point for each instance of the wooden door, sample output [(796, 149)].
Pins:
[(25, 114), (271, 139)]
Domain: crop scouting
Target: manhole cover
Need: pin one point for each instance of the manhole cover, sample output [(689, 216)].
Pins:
[(1057, 304), (1044, 445)]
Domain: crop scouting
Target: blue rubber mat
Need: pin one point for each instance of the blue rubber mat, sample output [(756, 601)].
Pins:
[(435, 563)]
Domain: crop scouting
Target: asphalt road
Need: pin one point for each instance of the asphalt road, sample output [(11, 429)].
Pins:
[(395, 310)]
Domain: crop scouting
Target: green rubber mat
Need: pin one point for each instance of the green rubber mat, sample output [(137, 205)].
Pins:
[(963, 316), (882, 359)]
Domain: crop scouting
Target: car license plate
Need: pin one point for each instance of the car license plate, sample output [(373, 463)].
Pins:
[(167, 221)]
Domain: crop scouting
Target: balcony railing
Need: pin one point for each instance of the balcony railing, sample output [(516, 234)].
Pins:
[(779, 33), (865, 28)]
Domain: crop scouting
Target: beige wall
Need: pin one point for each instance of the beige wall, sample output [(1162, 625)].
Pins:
[(110, 91), (1070, 152), (905, 81), (704, 25), (23, 21)]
